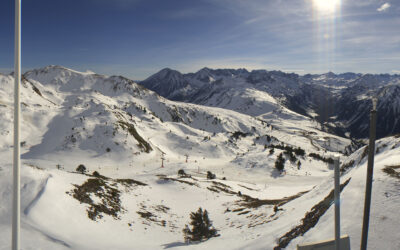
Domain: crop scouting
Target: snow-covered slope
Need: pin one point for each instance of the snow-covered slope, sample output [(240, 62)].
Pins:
[(312, 215), (103, 116), (383, 233), (329, 98), (121, 130), (246, 92)]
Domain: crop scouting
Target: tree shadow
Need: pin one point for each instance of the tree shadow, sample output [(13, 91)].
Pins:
[(174, 244), (277, 174), (179, 244)]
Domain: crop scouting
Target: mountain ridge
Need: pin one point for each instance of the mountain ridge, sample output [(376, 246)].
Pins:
[(323, 97)]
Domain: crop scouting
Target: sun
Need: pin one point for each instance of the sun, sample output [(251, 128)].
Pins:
[(326, 6)]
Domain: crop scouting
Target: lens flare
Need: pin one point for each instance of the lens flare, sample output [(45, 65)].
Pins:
[(326, 6), (326, 17)]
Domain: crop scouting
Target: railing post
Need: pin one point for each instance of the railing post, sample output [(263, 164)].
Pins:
[(16, 205), (337, 203), (370, 171)]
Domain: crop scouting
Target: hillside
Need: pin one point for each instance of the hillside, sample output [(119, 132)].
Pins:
[(119, 129)]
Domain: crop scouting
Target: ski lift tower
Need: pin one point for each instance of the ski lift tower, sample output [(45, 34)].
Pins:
[(187, 157), (162, 160)]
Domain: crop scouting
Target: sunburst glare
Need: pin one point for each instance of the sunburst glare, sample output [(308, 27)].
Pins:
[(326, 15), (328, 7)]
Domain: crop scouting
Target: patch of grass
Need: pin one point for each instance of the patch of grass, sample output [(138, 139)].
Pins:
[(252, 189), (144, 145), (346, 166), (106, 190), (364, 153), (390, 170), (238, 209), (97, 175), (145, 215), (161, 208), (213, 189), (178, 180), (220, 187), (251, 202), (310, 219), (130, 182), (36, 89), (220, 184), (33, 86), (34, 166), (110, 198), (150, 217)]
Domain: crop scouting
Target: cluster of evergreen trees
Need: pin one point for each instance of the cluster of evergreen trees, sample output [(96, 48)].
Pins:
[(321, 158), (290, 150), (201, 227)]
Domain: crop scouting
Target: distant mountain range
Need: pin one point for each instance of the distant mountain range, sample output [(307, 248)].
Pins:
[(340, 102), (64, 110)]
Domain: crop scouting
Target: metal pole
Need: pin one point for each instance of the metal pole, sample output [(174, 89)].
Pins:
[(16, 168), (370, 171), (337, 204)]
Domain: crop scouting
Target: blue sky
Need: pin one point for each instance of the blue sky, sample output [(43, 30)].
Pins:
[(136, 38)]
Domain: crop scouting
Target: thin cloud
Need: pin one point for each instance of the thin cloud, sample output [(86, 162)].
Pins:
[(293, 70), (384, 7)]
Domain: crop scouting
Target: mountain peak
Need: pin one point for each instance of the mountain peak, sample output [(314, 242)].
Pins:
[(330, 74), (167, 73), (165, 81), (56, 69), (169, 70), (204, 75), (205, 69)]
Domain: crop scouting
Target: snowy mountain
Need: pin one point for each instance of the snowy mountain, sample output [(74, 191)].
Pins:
[(122, 133), (329, 98), (331, 79), (74, 111), (167, 82)]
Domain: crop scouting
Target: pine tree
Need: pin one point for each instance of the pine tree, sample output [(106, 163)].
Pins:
[(181, 173), (210, 175), (81, 169), (280, 162), (202, 228)]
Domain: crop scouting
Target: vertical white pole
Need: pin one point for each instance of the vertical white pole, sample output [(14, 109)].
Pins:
[(337, 203), (16, 169)]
